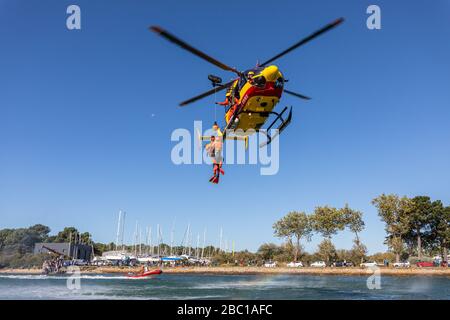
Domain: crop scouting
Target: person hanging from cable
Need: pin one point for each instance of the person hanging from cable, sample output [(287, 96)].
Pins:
[(214, 150)]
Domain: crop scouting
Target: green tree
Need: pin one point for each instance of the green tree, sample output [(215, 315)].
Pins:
[(439, 234), (294, 224), (397, 246), (40, 231), (245, 257), (99, 248), (268, 250), (85, 238), (4, 235), (327, 251), (68, 234), (16, 245), (327, 221), (418, 220), (358, 252), (381, 256), (393, 210), (353, 220), (206, 252), (22, 240)]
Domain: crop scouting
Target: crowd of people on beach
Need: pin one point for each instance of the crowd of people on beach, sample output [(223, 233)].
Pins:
[(53, 266)]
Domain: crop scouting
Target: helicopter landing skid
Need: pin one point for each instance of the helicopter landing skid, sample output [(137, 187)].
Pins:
[(281, 127)]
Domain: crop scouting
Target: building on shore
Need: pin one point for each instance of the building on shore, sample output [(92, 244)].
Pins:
[(73, 251)]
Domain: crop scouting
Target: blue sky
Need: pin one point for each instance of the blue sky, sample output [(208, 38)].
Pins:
[(86, 116)]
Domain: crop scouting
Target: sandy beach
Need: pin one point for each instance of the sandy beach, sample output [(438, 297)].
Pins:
[(233, 270)]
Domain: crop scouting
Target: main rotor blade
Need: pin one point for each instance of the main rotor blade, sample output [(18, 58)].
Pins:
[(191, 49), (298, 95), (207, 93), (305, 40)]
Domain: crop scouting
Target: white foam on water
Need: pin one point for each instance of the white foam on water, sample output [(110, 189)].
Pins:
[(65, 277), (192, 297), (23, 276), (265, 282)]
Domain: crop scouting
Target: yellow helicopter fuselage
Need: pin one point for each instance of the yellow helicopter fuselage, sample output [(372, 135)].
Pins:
[(256, 98)]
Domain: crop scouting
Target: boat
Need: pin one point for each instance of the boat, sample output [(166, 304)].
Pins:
[(148, 259), (144, 274), (171, 258)]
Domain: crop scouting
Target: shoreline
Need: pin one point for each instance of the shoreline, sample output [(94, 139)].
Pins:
[(233, 270)]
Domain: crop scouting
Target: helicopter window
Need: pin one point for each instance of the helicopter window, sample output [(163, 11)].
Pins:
[(255, 71), (241, 83), (279, 83), (260, 81)]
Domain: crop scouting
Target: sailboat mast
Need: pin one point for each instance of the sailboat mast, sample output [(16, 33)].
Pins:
[(157, 239), (148, 242), (220, 239), (233, 248), (162, 250), (140, 241), (186, 239), (123, 230), (172, 236), (135, 239), (119, 222), (189, 243), (197, 251), (204, 240), (150, 239)]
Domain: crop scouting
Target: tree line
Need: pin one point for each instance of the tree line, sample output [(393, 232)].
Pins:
[(17, 245), (414, 226), (326, 221)]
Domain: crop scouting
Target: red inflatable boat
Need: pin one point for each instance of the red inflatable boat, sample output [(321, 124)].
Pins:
[(145, 274)]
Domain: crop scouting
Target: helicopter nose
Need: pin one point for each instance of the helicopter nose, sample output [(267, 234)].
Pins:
[(271, 73)]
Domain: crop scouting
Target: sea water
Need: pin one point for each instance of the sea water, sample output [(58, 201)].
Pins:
[(193, 286)]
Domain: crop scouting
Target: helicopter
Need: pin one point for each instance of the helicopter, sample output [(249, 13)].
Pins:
[(253, 94)]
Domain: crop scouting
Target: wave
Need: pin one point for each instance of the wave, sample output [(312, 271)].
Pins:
[(68, 276)]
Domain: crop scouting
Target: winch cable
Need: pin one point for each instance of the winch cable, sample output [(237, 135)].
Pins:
[(215, 104)]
